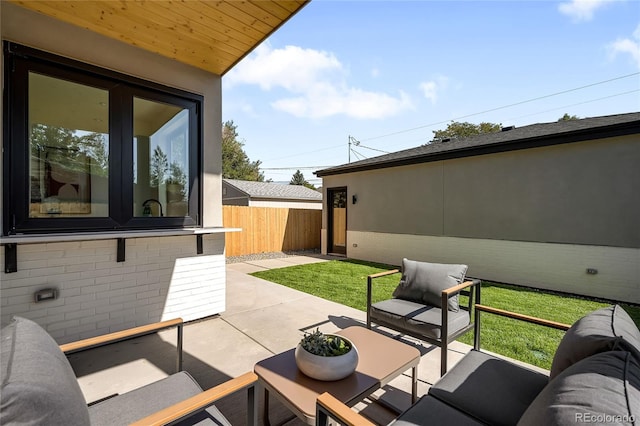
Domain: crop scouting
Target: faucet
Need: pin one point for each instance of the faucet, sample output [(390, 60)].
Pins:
[(147, 208)]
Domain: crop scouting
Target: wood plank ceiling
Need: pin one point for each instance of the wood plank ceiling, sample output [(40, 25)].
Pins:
[(211, 35)]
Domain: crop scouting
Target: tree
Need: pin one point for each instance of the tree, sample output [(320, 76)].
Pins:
[(567, 117), (298, 179), (94, 145), (235, 162), (178, 177), (64, 147), (462, 130), (159, 167)]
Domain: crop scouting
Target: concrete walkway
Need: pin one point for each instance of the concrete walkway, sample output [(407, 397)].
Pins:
[(261, 319)]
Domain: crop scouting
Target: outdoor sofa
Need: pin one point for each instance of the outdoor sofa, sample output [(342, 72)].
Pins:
[(39, 386), (594, 379)]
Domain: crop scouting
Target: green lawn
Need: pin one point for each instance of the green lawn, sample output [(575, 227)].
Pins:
[(345, 282)]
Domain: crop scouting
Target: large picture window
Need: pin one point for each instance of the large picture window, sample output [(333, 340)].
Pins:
[(90, 149)]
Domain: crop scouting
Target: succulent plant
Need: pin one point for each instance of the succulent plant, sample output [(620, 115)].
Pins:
[(322, 344)]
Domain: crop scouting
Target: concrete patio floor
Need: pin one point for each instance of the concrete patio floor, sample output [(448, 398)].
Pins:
[(261, 319)]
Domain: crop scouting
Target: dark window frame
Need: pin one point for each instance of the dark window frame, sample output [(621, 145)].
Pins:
[(19, 61)]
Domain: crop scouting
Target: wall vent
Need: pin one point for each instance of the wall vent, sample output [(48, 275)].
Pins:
[(507, 128)]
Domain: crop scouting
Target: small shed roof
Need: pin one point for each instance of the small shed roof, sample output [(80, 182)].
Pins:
[(276, 191), (532, 136)]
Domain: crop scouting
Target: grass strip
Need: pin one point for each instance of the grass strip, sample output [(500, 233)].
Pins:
[(345, 282)]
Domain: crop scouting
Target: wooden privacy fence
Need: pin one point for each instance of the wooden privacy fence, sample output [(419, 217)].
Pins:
[(271, 229)]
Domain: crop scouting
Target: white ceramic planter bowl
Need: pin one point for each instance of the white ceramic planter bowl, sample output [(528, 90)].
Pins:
[(327, 368)]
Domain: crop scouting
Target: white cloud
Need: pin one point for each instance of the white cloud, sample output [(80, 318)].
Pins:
[(582, 10), (316, 81), (431, 89), (292, 67), (629, 46), (326, 100)]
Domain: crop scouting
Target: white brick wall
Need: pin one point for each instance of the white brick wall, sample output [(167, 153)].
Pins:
[(560, 267), (161, 278)]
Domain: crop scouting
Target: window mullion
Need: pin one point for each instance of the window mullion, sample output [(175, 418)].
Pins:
[(120, 177)]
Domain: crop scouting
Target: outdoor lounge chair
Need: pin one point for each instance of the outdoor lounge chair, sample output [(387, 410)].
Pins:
[(416, 307), (39, 386)]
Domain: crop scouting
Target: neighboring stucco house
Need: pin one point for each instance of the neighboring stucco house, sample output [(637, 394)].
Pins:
[(552, 205), (268, 194), (111, 137)]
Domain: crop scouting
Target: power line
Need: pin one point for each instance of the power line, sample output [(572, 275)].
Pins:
[(579, 103), (373, 149), (536, 113), (355, 142), (351, 141), (295, 168), (479, 113), (304, 153), (503, 107), (421, 140), (357, 154)]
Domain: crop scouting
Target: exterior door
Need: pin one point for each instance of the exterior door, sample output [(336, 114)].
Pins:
[(337, 209)]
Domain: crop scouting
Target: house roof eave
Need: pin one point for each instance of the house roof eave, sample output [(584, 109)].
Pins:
[(212, 36), (226, 182), (273, 191), (579, 135)]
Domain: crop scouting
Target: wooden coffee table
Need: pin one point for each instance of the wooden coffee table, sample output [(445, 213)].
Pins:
[(381, 359)]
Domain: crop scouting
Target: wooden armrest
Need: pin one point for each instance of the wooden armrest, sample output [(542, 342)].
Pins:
[(383, 273), (340, 412), (521, 317), (457, 288), (198, 402), (118, 336), (370, 290)]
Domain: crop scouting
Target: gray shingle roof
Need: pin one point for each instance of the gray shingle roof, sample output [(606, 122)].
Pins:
[(278, 191), (534, 135)]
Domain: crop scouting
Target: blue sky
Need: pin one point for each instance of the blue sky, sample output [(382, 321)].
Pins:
[(389, 73)]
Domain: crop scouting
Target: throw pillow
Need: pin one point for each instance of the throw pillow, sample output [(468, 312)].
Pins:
[(603, 330), (423, 282), (38, 384), (601, 389)]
